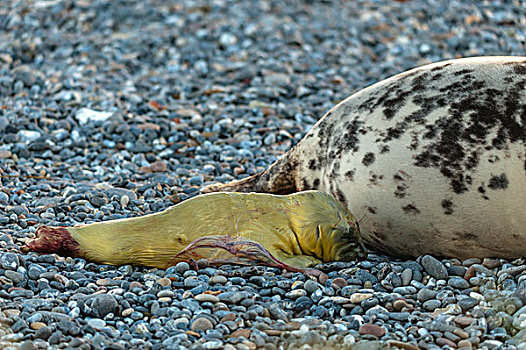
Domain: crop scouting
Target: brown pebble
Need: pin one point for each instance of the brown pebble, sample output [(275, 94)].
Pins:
[(464, 344), (339, 283), (272, 332), (250, 345), (322, 278), (102, 282), (37, 325), (203, 263), (158, 167), (193, 334), (402, 345), (491, 263), (241, 332), (400, 304), (292, 326), (164, 282), (445, 341), (461, 333), (470, 272), (463, 321), (201, 324), (371, 328), (136, 284), (127, 312), (229, 317)]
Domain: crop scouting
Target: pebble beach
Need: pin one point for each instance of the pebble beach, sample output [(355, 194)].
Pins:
[(116, 109)]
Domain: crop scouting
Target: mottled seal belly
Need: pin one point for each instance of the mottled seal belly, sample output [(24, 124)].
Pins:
[(432, 160)]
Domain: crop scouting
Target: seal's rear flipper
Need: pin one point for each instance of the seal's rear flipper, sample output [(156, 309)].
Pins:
[(221, 250), (279, 178)]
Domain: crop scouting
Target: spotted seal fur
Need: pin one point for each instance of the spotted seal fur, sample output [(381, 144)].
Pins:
[(433, 159)]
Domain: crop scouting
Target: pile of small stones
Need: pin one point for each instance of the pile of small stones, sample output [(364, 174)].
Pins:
[(114, 109)]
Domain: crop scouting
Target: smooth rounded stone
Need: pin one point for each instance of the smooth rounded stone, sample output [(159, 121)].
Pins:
[(426, 294), (457, 270), (213, 344), (36, 325), (366, 276), (166, 293), (16, 277), (310, 286), (464, 344), (348, 291), (9, 261), (434, 267), (372, 329), (302, 303), (471, 261), (104, 304), (357, 298), (202, 298), (405, 290), (463, 321), (491, 263), (458, 283), (400, 304), (294, 294), (96, 323), (467, 303), (217, 279), (35, 270), (19, 325), (182, 267), (192, 282), (399, 316), (445, 341), (432, 305), (406, 276), (338, 283), (231, 297), (201, 324)]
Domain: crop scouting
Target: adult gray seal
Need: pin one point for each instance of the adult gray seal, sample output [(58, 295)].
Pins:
[(433, 159)]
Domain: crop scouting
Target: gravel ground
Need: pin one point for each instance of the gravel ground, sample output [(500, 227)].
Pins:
[(112, 109)]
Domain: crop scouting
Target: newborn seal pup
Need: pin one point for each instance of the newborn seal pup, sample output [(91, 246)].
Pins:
[(294, 232), (431, 160)]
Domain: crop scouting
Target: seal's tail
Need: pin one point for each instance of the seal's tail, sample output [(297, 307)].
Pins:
[(279, 178)]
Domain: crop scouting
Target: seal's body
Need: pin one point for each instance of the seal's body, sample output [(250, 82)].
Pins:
[(294, 232), (433, 160)]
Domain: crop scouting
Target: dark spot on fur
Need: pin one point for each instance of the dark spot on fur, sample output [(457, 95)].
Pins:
[(447, 204), (464, 72), (411, 209), (368, 159), (498, 182), (312, 164), (350, 174), (371, 210), (384, 149), (340, 196), (316, 183), (400, 191)]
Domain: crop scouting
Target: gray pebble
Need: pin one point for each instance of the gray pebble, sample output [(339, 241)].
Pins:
[(434, 267)]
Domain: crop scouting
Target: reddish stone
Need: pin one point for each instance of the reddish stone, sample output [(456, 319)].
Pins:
[(470, 272), (444, 341), (158, 166), (370, 328), (463, 321), (241, 332), (339, 283), (322, 278)]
